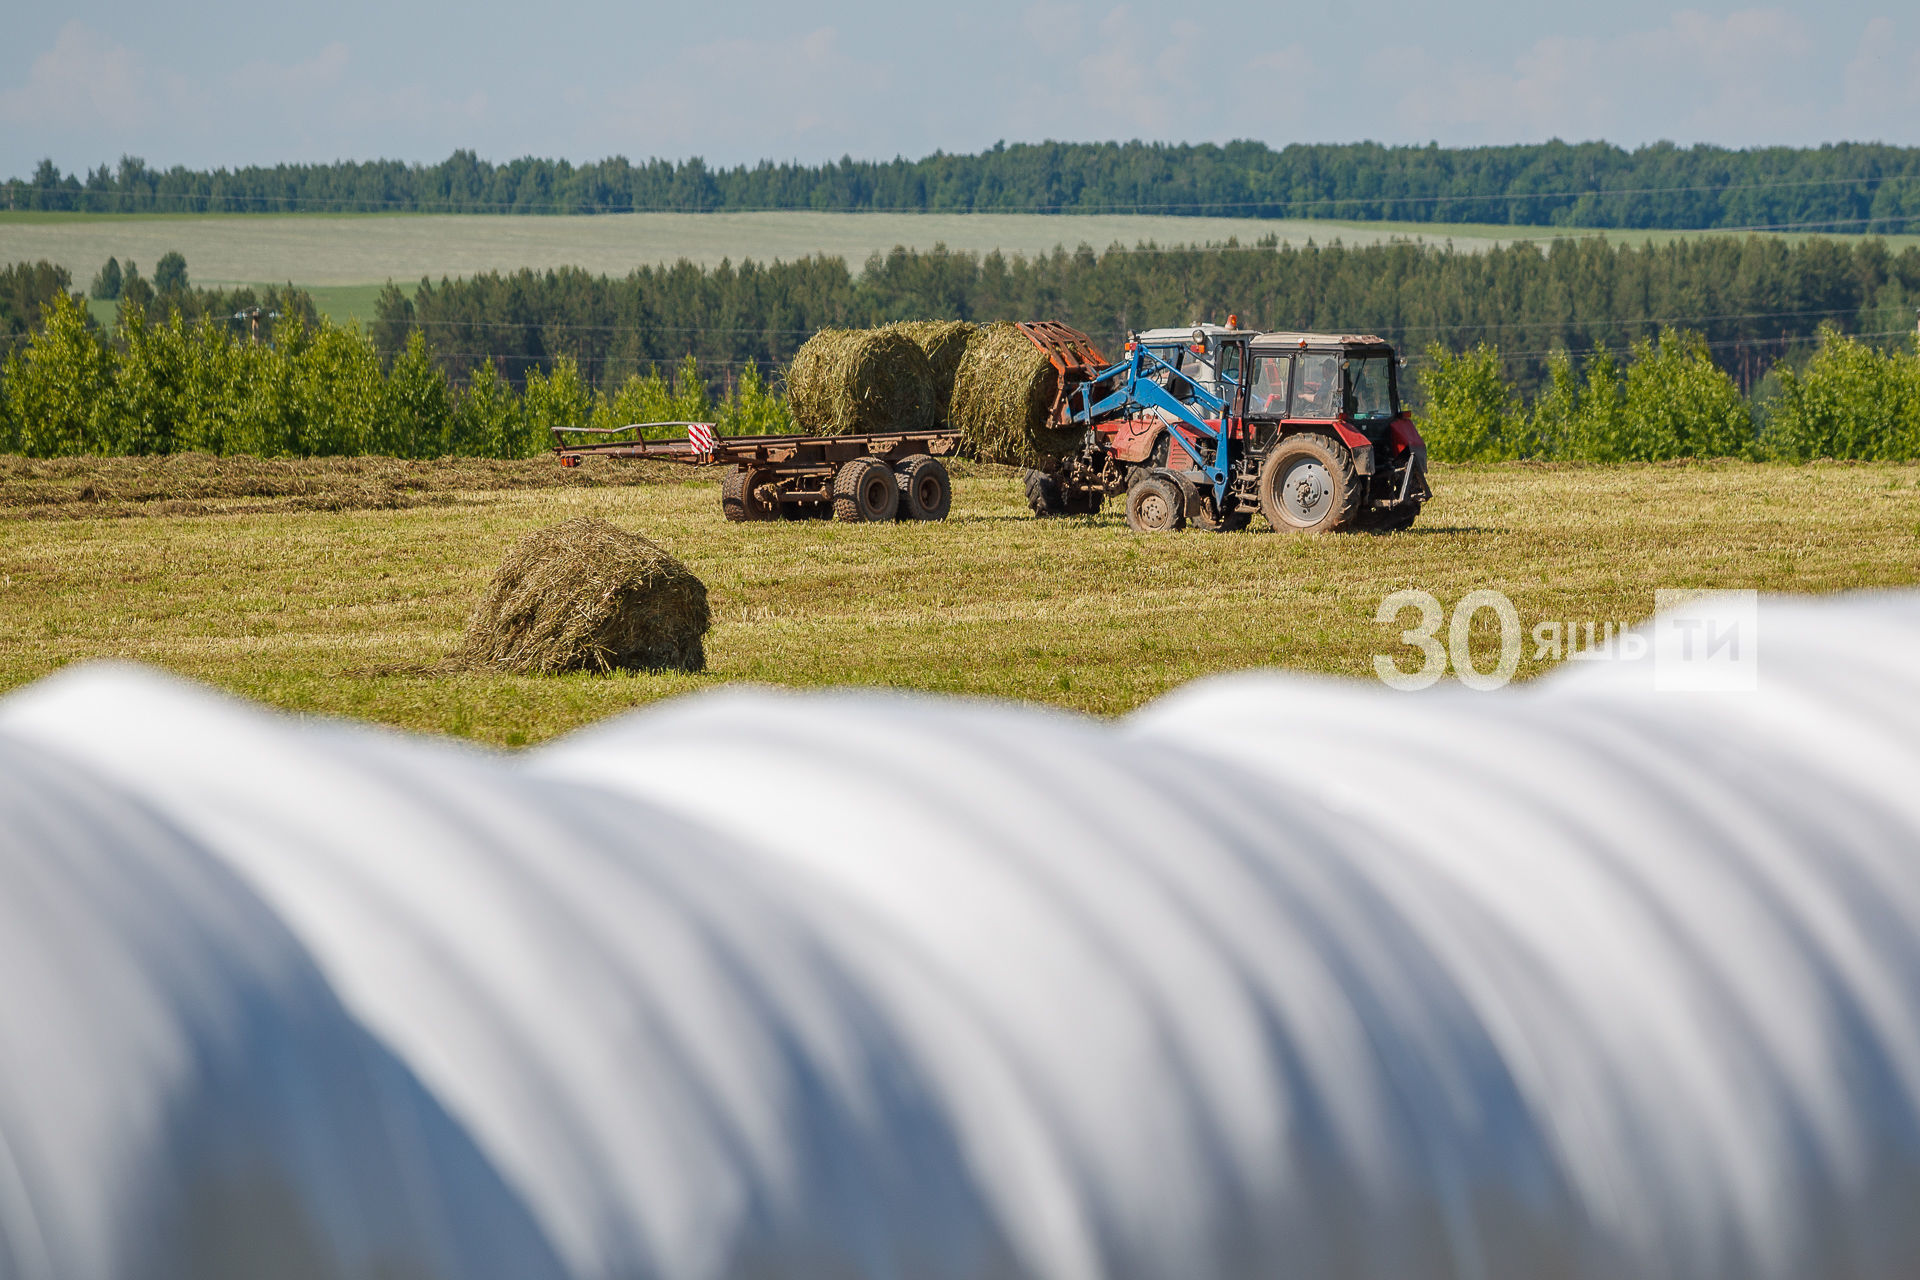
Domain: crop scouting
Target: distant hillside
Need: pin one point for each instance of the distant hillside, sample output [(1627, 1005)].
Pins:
[(1845, 187)]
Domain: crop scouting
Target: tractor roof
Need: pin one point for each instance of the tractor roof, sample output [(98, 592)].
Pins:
[(1290, 339), (1162, 337)]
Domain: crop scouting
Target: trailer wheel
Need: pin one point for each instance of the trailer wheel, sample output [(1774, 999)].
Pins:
[(740, 498), (1155, 505), (1308, 485), (865, 491), (926, 492)]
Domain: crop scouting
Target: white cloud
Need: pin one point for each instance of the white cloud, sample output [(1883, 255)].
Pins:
[(86, 82), (778, 96), (323, 73)]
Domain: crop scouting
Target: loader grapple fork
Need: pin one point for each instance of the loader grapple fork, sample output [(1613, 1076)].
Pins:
[(1072, 355)]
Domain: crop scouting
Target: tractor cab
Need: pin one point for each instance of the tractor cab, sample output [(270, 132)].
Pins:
[(1320, 378), (1201, 355)]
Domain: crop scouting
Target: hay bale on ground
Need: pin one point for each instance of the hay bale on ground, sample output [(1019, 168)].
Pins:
[(945, 345), (846, 381), (586, 596), (1003, 392)]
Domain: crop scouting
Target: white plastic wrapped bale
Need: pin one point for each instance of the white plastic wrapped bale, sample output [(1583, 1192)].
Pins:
[(1280, 976), (181, 1095)]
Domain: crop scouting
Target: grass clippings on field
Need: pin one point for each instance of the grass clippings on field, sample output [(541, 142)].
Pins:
[(200, 484)]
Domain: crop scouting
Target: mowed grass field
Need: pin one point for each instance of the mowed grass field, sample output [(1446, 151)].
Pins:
[(315, 587), (345, 258)]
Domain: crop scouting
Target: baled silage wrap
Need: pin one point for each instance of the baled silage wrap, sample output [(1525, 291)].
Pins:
[(1003, 392), (587, 596), (849, 381)]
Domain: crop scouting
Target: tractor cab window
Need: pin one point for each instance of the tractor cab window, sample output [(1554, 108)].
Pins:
[(1316, 386), (1370, 382), (1199, 367), (1229, 366), (1267, 389)]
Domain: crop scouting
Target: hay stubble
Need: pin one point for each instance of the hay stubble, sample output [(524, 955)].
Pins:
[(299, 608)]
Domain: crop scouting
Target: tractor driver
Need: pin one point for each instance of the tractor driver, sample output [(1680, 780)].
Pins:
[(1319, 388)]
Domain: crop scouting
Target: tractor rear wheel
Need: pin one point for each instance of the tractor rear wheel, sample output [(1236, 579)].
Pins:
[(1309, 485), (865, 491), (1155, 505), (740, 496), (926, 493)]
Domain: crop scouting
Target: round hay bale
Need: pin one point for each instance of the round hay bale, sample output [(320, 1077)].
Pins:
[(846, 381), (945, 345), (1003, 393), (586, 596)]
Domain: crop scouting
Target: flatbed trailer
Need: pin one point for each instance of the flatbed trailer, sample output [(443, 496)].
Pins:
[(879, 476)]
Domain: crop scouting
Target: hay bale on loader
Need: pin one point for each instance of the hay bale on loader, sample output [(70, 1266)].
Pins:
[(851, 381), (1003, 394), (587, 596), (945, 344)]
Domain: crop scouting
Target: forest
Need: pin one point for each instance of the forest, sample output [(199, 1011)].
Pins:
[(1753, 300), (1837, 187)]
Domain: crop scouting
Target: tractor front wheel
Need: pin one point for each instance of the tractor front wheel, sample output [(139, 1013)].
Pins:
[(1309, 485), (1155, 505), (1043, 494)]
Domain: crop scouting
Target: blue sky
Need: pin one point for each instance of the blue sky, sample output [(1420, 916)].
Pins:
[(223, 83)]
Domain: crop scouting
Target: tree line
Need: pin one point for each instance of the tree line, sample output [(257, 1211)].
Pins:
[(1839, 186), (1754, 301), (1667, 399), (167, 384)]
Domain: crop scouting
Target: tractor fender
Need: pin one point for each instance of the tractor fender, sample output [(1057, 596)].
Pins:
[(1405, 437), (1354, 440)]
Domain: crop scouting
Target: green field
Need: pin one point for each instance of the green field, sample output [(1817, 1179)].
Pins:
[(344, 258), (307, 584)]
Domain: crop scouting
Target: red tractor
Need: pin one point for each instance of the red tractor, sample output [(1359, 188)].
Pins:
[(1210, 424)]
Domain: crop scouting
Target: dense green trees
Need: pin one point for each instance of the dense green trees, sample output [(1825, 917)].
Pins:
[(168, 385), (170, 273), (1844, 186), (1850, 401), (106, 284), (1669, 400), (25, 290)]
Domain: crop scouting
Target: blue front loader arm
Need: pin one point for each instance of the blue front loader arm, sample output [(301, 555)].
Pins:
[(1139, 391)]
